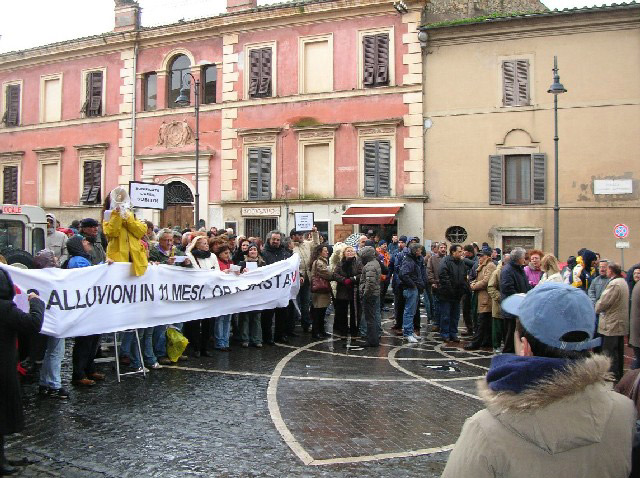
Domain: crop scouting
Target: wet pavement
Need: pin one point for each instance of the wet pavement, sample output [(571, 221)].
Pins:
[(308, 409)]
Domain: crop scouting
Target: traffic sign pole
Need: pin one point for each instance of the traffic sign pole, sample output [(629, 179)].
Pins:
[(621, 231)]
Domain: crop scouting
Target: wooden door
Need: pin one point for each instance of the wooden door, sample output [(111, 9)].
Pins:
[(177, 215)]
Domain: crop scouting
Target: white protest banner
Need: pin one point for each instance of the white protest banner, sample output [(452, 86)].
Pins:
[(304, 221), (107, 298), (147, 195)]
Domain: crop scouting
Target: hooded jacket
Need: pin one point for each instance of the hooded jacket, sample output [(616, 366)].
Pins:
[(56, 241), (124, 236), (78, 257), (567, 423), (411, 272), (583, 273), (205, 263), (370, 276)]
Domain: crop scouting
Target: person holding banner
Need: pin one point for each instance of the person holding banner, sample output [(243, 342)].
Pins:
[(12, 322), (199, 331), (249, 322)]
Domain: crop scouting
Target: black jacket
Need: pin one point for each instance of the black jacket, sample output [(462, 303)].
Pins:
[(512, 281), (271, 255), (12, 322), (453, 279), (411, 273)]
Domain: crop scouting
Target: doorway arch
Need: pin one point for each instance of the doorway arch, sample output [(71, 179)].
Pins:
[(180, 205)]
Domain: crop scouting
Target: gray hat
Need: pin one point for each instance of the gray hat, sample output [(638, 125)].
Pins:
[(551, 310)]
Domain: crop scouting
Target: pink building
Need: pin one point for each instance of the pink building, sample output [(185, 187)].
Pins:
[(315, 107)]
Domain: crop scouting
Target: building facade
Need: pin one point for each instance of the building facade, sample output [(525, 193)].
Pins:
[(490, 137), (313, 107)]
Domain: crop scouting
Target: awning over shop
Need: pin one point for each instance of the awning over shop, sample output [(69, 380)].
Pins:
[(371, 213)]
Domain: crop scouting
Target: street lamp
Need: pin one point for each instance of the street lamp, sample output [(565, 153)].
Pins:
[(556, 89), (183, 100)]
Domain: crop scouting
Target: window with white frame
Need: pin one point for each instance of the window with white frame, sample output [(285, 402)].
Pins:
[(376, 58), (515, 82), (10, 180), (315, 72), (316, 162), (91, 161), (377, 161), (259, 153), (49, 177), (50, 98), (517, 179)]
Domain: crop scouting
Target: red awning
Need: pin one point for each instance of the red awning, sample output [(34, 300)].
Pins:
[(360, 214)]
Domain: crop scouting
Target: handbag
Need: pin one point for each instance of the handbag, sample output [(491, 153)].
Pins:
[(320, 285)]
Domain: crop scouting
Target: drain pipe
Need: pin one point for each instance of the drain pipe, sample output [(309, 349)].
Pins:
[(133, 112)]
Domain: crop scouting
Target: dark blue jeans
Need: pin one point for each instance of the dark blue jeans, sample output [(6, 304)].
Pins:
[(449, 317), (411, 298)]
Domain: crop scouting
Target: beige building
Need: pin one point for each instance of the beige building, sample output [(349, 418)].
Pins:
[(489, 129)]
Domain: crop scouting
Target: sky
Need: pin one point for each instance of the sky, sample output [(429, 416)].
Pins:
[(30, 23)]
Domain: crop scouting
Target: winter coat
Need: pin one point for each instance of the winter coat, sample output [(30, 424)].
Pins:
[(453, 279), (411, 276), (613, 308), (480, 286), (557, 277), (13, 322), (512, 281), (320, 268), (304, 250), (433, 266), (370, 276), (493, 289), (124, 236), (394, 267), (57, 243), (571, 425), (634, 335), (259, 260), (597, 287), (271, 254), (533, 275), (158, 255), (346, 270), (205, 263)]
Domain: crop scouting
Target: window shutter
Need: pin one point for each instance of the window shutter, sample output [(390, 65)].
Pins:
[(254, 72), (369, 168), (382, 47), (369, 60), (522, 81), (254, 173), (13, 105), (508, 83), (10, 185), (92, 181), (539, 178), (384, 168), (265, 173), (94, 98), (265, 73), (495, 179)]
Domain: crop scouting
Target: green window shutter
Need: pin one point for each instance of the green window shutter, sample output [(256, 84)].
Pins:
[(538, 178), (10, 185), (495, 179), (509, 83)]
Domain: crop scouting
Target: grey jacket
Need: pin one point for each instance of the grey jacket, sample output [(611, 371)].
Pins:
[(370, 277), (597, 288), (57, 243)]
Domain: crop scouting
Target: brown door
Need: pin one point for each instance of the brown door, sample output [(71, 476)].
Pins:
[(177, 215)]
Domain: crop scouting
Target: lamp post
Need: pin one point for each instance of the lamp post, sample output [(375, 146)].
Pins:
[(556, 89), (183, 100)]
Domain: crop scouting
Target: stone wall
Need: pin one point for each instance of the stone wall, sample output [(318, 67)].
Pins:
[(439, 10)]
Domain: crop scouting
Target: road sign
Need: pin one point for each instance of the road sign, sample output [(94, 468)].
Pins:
[(621, 231), (622, 245)]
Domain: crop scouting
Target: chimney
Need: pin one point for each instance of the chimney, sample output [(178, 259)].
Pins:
[(235, 6), (127, 16)]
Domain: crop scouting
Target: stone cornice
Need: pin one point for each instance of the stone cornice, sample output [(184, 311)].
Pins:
[(53, 149), (259, 131), (377, 124), (533, 26), (316, 127), (11, 154), (81, 147)]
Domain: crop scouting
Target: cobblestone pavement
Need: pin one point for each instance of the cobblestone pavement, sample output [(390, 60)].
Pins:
[(307, 409)]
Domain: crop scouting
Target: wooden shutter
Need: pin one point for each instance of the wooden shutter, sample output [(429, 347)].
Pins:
[(369, 60), (509, 83), (92, 181), (522, 82), (259, 160), (265, 72), (382, 60), (254, 173), (265, 173), (384, 168), (10, 185), (254, 72), (93, 104), (369, 168), (538, 178), (495, 179), (13, 105)]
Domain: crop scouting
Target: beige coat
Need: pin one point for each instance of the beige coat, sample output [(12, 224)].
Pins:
[(304, 250), (634, 335), (493, 289), (320, 268), (550, 429), (480, 287), (613, 308)]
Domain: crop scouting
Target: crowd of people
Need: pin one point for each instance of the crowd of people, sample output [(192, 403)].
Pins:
[(352, 280)]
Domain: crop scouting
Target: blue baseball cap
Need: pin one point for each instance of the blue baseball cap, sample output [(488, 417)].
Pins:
[(551, 310)]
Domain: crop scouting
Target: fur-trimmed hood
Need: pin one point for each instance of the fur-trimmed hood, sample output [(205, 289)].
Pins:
[(562, 411)]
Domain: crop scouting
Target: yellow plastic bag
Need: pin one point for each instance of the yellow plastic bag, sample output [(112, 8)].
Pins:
[(176, 343)]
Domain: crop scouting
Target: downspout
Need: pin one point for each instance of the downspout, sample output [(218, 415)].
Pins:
[(133, 111)]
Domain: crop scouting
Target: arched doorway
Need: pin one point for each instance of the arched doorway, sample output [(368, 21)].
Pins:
[(179, 211)]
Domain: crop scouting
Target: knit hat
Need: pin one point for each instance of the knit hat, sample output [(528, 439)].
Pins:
[(402, 239)]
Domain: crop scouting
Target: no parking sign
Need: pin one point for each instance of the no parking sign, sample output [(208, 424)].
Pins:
[(621, 231)]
